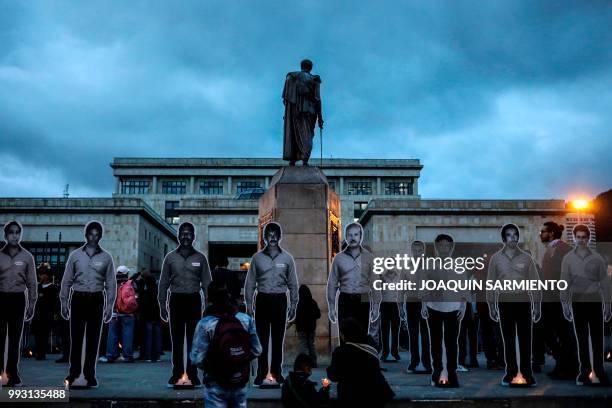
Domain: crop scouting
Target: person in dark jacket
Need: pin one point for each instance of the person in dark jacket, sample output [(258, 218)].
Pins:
[(149, 315), (299, 391), (306, 317), (356, 368), (45, 307)]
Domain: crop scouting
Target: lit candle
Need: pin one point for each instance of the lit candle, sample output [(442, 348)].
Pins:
[(66, 385), (325, 382)]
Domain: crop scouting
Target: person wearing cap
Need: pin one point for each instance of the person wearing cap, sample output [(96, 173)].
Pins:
[(87, 297), (18, 294), (121, 325)]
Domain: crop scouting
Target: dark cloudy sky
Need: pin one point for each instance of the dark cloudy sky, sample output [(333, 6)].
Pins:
[(499, 99)]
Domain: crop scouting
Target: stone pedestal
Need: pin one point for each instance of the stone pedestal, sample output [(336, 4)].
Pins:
[(300, 200)]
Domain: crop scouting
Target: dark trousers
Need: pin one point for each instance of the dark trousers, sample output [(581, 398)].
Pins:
[(185, 313), (389, 322), (468, 337), (443, 327), (492, 344), (417, 325), (270, 322), (556, 333), (86, 310), (588, 319), (515, 320), (42, 329), (12, 309), (351, 305)]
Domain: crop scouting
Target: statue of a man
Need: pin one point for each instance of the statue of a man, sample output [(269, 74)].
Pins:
[(302, 100)]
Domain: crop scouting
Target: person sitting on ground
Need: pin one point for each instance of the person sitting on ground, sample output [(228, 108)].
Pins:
[(356, 368), (299, 391)]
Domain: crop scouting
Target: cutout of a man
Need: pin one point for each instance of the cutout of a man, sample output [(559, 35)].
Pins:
[(271, 277), (587, 303), (444, 312), (350, 290), (184, 278), (87, 296), (514, 310), (420, 359), (18, 293)]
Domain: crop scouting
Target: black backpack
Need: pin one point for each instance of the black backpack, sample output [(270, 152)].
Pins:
[(230, 353)]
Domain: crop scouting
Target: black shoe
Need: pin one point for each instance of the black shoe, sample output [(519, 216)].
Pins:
[(396, 356), (583, 379), (412, 367), (435, 378), (173, 380), (13, 381), (92, 383), (530, 381), (279, 379), (384, 357), (62, 360), (507, 380), (195, 381), (258, 381), (453, 381)]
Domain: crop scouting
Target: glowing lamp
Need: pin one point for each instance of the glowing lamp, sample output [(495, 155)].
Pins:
[(580, 204)]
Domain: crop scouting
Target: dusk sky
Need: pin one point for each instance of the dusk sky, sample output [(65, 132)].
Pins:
[(498, 99)]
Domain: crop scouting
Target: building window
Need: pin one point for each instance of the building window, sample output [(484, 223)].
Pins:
[(247, 185), (398, 187), (332, 185), (211, 187), (359, 208), (174, 187), (172, 216), (359, 188), (135, 187)]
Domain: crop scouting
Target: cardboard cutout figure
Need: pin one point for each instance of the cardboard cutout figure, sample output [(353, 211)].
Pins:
[(18, 293), (350, 291), (586, 302), (444, 312), (410, 314), (514, 310), (271, 277), (185, 276), (87, 296)]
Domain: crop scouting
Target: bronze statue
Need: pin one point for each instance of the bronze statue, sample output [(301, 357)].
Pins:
[(302, 100)]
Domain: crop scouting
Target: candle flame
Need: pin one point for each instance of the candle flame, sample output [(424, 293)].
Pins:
[(519, 379), (325, 382)]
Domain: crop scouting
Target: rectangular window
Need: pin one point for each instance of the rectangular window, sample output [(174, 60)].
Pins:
[(398, 187), (247, 185), (211, 187), (359, 188), (359, 207), (171, 215), (174, 187), (332, 185), (135, 187)]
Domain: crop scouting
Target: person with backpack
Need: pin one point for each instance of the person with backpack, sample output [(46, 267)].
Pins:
[(355, 366), (123, 320), (299, 391), (224, 344)]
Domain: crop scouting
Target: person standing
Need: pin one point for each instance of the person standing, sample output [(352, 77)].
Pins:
[(185, 276), (306, 317), (45, 308), (18, 294), (87, 296), (122, 324), (271, 276), (587, 304), (149, 315)]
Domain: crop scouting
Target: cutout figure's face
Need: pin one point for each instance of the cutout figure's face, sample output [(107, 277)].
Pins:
[(418, 250), (13, 235), (353, 237), (186, 236), (272, 237), (546, 235), (511, 237), (582, 239), (93, 236), (444, 248)]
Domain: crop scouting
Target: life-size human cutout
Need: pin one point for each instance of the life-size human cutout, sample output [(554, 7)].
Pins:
[(184, 278), (270, 278), (302, 100), (515, 310), (587, 303), (18, 292), (420, 359), (87, 296), (444, 312), (350, 291)]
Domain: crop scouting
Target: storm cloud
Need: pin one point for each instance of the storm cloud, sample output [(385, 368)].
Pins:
[(499, 99)]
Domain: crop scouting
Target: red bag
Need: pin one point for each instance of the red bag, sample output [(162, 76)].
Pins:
[(126, 298)]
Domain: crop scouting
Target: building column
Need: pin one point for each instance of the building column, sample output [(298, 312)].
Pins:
[(341, 189), (229, 185), (267, 183), (154, 186), (192, 185), (117, 185), (415, 186), (378, 186)]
